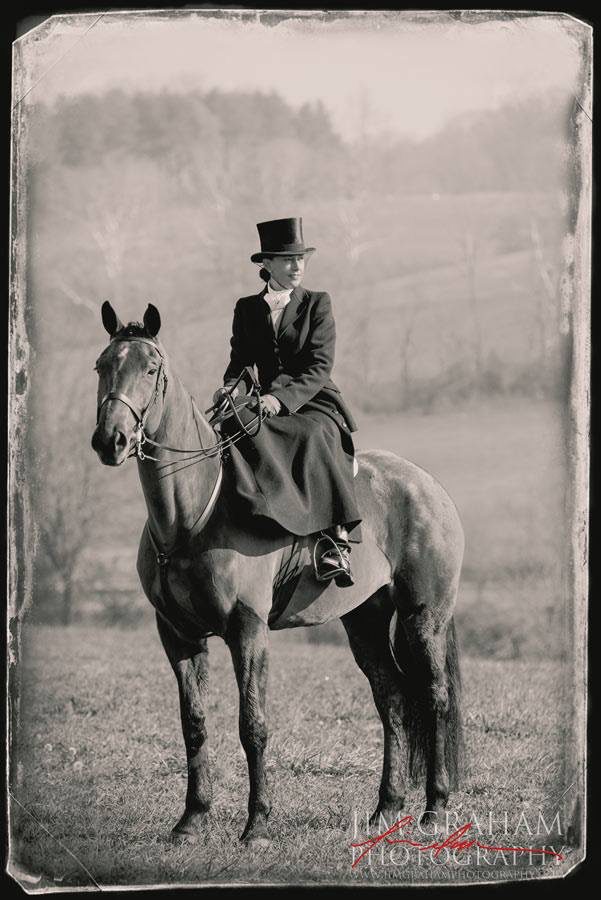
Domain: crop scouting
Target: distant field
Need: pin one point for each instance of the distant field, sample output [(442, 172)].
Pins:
[(503, 463), (101, 765)]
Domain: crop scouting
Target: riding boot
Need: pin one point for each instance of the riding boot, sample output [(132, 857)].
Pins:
[(334, 561)]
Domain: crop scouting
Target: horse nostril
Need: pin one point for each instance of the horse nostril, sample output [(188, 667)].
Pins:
[(119, 440), (96, 445)]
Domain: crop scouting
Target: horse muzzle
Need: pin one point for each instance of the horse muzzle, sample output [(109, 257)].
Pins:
[(112, 446)]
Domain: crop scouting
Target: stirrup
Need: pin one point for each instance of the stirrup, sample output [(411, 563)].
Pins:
[(339, 569)]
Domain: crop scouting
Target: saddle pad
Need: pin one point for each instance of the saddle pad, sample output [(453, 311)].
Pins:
[(305, 601)]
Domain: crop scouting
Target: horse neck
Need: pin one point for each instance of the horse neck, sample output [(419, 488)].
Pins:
[(178, 486)]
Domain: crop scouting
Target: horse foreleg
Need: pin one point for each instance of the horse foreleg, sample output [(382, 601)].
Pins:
[(247, 640), (190, 664)]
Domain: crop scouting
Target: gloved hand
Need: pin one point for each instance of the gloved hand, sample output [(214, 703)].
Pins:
[(270, 405), (221, 393)]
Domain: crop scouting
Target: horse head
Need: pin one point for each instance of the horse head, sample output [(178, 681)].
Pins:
[(132, 379)]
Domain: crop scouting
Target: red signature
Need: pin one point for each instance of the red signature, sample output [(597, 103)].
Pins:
[(453, 842)]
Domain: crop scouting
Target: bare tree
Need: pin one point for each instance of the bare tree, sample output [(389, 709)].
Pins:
[(469, 257), (407, 331), (64, 533), (547, 307), (107, 215), (62, 499)]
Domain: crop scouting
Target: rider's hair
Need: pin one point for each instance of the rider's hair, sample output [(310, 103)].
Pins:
[(264, 274)]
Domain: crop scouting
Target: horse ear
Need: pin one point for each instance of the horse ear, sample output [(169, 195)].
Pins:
[(152, 320), (110, 319)]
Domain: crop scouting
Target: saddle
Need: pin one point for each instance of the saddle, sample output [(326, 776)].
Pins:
[(300, 599)]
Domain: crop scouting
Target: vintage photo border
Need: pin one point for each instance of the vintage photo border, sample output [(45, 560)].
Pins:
[(576, 300)]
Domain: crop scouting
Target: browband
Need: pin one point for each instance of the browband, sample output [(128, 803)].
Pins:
[(142, 340)]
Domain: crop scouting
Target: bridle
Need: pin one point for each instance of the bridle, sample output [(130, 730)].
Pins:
[(141, 416)]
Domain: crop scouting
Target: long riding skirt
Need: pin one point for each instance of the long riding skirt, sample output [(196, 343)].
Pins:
[(298, 471)]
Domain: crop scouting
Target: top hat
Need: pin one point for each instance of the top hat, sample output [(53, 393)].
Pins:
[(281, 237)]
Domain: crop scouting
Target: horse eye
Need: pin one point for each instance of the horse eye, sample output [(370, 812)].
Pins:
[(151, 372)]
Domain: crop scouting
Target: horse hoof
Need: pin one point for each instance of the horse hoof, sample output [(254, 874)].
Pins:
[(257, 843), (256, 834), (189, 828), (184, 837)]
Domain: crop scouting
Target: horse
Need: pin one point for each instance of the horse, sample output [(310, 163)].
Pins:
[(209, 572)]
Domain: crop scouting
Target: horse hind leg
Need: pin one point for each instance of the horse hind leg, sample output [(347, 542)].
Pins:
[(367, 631), (428, 650)]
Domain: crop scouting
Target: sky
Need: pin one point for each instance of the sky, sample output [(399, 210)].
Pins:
[(401, 73)]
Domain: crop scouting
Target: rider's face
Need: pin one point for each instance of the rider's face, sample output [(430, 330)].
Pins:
[(287, 271)]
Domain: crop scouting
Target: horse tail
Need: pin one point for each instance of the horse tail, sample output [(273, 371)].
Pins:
[(417, 707), (454, 745)]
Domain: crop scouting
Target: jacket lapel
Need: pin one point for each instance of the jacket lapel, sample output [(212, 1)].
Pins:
[(263, 312), (292, 310)]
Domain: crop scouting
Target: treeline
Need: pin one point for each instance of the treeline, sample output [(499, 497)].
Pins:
[(521, 146), (82, 128)]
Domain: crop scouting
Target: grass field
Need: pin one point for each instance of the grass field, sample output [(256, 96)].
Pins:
[(101, 770)]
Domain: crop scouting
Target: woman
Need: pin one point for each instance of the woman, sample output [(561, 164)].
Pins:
[(302, 459)]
